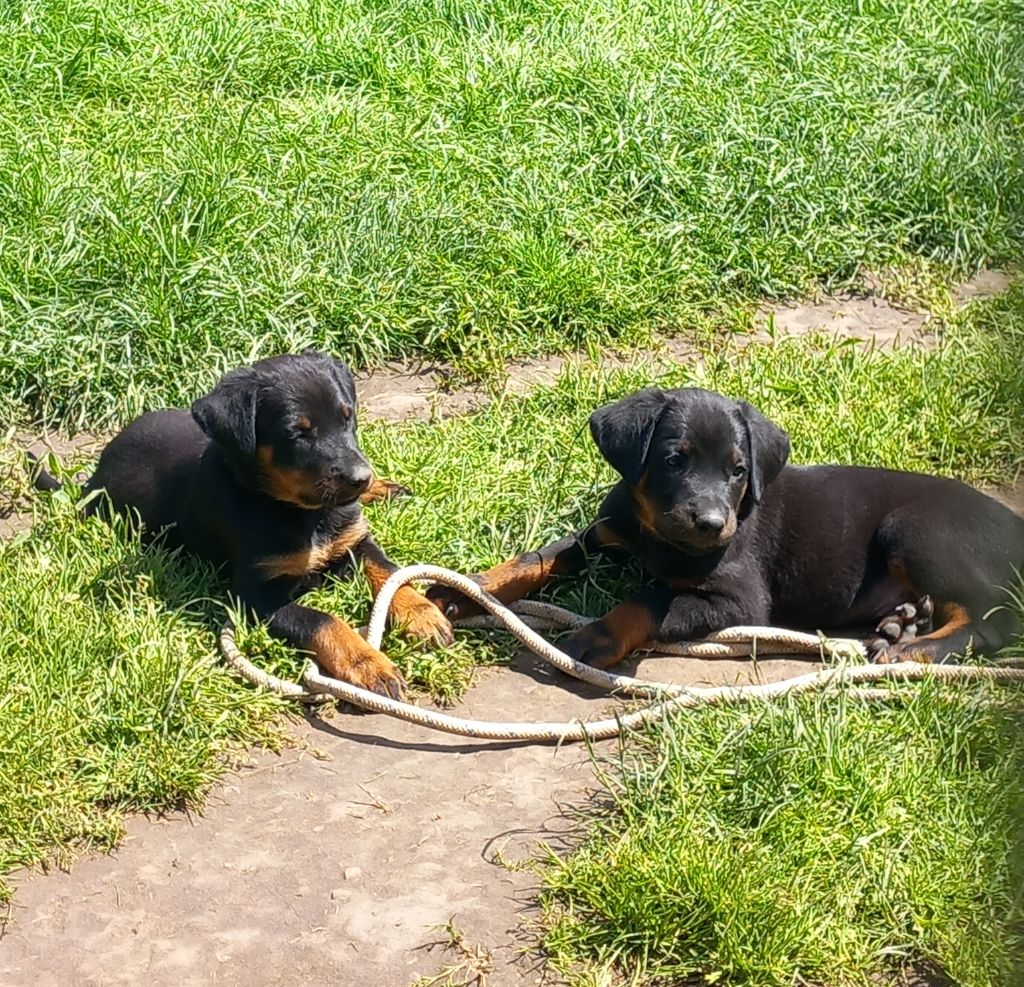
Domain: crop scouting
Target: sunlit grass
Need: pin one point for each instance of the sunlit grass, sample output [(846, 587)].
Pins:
[(815, 841), (185, 187)]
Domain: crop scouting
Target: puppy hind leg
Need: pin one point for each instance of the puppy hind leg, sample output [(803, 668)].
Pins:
[(957, 581), (905, 623)]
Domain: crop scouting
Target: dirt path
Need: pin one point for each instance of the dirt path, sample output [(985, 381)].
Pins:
[(334, 868), (341, 860)]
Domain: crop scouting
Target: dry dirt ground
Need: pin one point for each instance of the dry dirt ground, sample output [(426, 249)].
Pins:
[(343, 859)]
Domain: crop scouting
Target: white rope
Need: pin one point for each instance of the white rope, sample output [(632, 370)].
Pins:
[(733, 642)]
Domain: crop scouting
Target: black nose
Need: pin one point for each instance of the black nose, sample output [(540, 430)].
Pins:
[(357, 476), (709, 522)]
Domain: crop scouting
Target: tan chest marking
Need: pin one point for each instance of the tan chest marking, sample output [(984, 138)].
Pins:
[(315, 558)]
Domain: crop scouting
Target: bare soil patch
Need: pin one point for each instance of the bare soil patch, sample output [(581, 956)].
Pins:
[(338, 861)]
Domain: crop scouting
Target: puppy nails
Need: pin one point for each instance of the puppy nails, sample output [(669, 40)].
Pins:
[(450, 602)]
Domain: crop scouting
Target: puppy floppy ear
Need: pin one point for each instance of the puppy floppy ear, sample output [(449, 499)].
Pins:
[(623, 430), (228, 413), (343, 377), (767, 449)]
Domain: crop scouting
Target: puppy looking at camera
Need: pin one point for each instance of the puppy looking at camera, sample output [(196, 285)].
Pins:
[(729, 534), (265, 477)]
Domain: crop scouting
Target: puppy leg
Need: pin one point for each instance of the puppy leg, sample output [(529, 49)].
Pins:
[(660, 614), (336, 647), (411, 611), (383, 490), (961, 556), (527, 573)]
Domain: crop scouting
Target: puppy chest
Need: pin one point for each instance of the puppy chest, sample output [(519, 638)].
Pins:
[(322, 549)]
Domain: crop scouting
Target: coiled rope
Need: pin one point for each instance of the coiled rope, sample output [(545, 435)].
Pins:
[(730, 643)]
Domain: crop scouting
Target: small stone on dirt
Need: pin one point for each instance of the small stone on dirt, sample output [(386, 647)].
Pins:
[(353, 873)]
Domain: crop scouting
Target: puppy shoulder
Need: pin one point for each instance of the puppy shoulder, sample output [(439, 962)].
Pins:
[(617, 505)]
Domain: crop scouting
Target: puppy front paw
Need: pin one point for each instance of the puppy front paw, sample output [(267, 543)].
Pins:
[(419, 618), (451, 603), (374, 671), (343, 654), (594, 645)]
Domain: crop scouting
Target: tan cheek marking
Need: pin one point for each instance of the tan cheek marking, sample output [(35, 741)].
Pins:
[(317, 557), (287, 485), (645, 512)]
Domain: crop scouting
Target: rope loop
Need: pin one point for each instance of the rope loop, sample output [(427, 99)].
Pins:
[(524, 618)]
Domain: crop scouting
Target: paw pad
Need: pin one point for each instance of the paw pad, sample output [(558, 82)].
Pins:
[(905, 624)]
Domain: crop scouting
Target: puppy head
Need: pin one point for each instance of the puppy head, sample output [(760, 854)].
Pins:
[(287, 426), (692, 460)]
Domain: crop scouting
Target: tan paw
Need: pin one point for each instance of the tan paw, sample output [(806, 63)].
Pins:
[(383, 490), (342, 654), (418, 618)]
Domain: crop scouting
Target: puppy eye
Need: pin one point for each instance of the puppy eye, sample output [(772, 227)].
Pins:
[(739, 471), (345, 412), (305, 426), (677, 460)]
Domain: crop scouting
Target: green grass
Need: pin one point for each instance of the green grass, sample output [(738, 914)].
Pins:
[(819, 841), (110, 696), (188, 186)]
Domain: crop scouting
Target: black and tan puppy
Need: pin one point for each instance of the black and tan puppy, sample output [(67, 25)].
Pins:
[(731, 535), (265, 476)]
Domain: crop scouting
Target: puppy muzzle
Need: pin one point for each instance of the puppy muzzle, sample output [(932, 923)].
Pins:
[(701, 530)]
